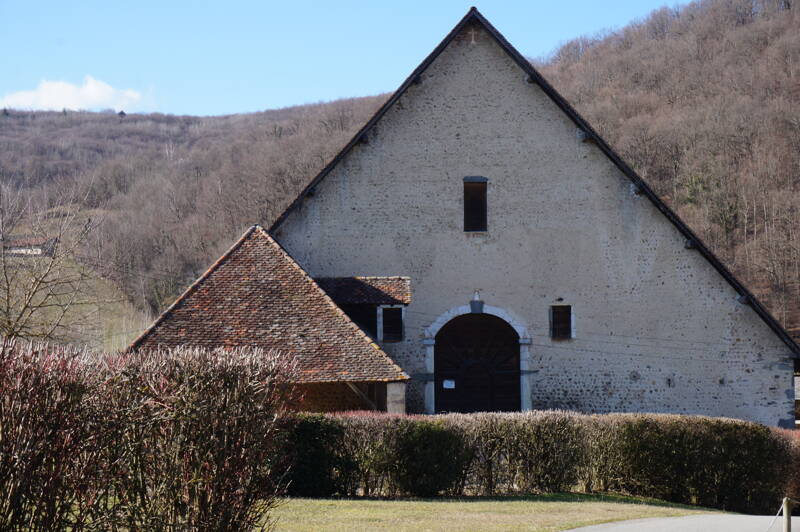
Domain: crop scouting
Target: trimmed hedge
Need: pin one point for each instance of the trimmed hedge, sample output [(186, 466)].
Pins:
[(372, 454), (427, 457), (202, 440), (532, 452), (320, 467), (720, 463)]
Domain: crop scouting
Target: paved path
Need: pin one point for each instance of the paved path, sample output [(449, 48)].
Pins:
[(693, 523)]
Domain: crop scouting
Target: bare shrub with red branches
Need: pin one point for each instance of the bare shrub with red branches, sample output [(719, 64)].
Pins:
[(45, 435), (199, 437), (168, 440)]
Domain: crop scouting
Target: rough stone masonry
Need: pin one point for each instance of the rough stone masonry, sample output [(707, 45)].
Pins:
[(655, 327)]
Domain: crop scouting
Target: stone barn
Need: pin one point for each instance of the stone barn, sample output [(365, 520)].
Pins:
[(545, 272)]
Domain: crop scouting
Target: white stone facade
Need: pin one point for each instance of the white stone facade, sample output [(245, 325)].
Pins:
[(656, 327)]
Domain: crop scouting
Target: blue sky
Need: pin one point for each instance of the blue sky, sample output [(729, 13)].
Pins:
[(211, 58)]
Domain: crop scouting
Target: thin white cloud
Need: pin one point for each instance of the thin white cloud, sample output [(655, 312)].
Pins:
[(56, 95)]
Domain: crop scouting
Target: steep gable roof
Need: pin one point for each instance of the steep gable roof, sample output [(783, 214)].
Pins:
[(257, 295), (473, 16)]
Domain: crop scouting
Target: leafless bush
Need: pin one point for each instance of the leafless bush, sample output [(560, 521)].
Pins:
[(183, 439), (367, 445), (47, 438), (199, 432), (523, 453)]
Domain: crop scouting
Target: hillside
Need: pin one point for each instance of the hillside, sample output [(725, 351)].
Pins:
[(176, 190), (704, 101)]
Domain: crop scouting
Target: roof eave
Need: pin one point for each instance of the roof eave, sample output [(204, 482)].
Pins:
[(301, 381)]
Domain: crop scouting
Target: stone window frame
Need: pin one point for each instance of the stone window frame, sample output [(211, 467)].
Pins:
[(571, 322), (380, 323)]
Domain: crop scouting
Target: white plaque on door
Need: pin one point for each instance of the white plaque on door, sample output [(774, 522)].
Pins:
[(449, 384)]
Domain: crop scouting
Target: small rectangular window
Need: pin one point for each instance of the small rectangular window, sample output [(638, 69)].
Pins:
[(475, 204), (392, 324), (560, 322)]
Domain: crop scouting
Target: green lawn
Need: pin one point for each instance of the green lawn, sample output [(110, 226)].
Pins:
[(542, 513)]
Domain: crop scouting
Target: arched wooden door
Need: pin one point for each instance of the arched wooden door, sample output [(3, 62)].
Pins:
[(476, 365)]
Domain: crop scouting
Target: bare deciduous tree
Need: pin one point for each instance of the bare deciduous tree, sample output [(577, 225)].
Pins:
[(44, 292)]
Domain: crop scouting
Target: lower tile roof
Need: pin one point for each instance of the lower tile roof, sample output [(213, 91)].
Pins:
[(257, 295)]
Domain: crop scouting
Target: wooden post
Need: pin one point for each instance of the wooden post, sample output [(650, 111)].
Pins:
[(787, 514)]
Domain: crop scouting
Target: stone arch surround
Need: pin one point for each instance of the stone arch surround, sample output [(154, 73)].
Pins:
[(524, 350)]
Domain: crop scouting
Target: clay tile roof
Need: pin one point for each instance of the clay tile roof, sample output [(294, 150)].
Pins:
[(257, 295), (367, 290)]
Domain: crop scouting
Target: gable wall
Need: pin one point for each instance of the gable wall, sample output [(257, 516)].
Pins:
[(657, 328)]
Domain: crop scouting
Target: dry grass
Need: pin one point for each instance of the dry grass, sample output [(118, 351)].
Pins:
[(115, 322), (111, 322), (541, 513)]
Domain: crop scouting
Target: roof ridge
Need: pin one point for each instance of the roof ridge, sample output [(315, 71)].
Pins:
[(561, 102)]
